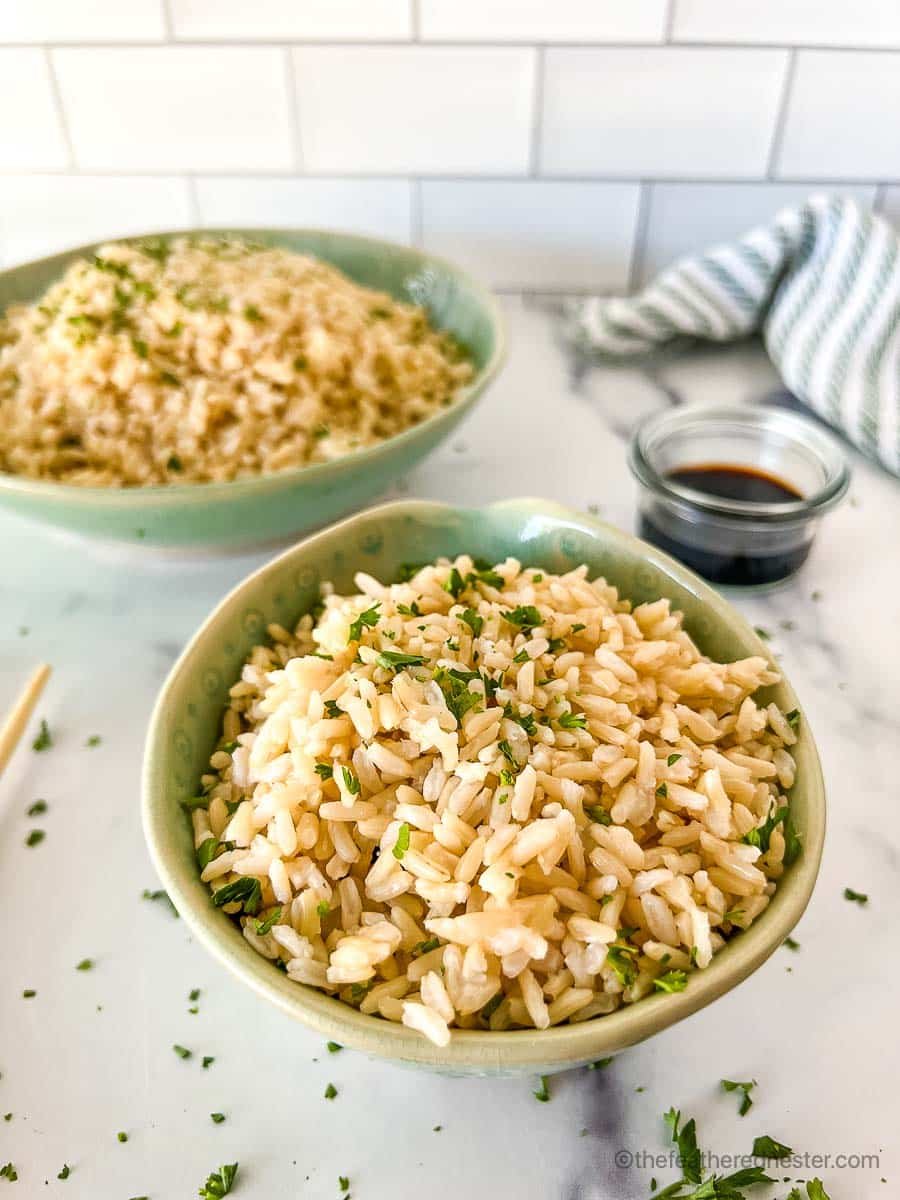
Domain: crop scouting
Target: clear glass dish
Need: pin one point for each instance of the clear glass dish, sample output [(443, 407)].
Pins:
[(734, 541)]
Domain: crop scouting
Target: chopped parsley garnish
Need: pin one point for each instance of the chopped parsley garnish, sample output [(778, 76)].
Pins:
[(408, 571), (543, 1091), (218, 1184), (409, 610), (857, 897), (685, 1138), (94, 740), (671, 981), (733, 1085), (733, 914), (263, 927), (672, 760), (252, 313), (29, 994), (620, 959), (65, 1172), (247, 891), (662, 790), (181, 1051), (577, 628), (792, 843), (506, 751), (600, 1063), (35, 837), (815, 1190), (162, 895), (762, 835), (44, 739), (86, 964), (524, 616), (217, 1118), (766, 1147), (325, 770), (367, 619), (208, 1061), (763, 633), (139, 346), (471, 618), (322, 908), (330, 1092), (402, 843), (8, 1171), (392, 660), (791, 943), (121, 1136), (484, 573), (193, 802), (458, 697), (333, 1047), (343, 1183), (525, 720), (332, 710), (174, 462), (351, 783), (793, 718), (207, 851), (598, 813), (522, 656), (571, 720), (454, 584), (425, 947)]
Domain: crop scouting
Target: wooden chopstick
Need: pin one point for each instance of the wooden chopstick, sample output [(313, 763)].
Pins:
[(14, 725)]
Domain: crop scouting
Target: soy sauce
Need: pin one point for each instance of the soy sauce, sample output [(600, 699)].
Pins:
[(737, 567)]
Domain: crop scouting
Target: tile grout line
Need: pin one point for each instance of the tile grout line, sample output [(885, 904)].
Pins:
[(781, 116), (293, 103), (537, 113), (60, 109), (642, 225)]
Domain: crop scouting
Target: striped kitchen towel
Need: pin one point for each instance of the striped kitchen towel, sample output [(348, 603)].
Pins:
[(822, 285)]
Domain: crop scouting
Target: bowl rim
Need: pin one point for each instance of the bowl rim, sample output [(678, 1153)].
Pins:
[(478, 1050), (179, 493)]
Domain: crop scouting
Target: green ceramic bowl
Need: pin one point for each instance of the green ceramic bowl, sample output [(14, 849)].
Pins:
[(186, 721), (268, 508)]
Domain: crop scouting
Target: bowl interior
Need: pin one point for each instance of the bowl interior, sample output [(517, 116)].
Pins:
[(186, 722)]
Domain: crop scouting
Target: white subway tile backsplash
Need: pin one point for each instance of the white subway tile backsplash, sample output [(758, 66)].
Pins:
[(30, 134), (660, 111), (87, 21), (684, 218), (536, 20), (418, 109), (842, 116), (177, 107), (40, 214), (791, 22), (534, 233), (378, 207), (375, 20)]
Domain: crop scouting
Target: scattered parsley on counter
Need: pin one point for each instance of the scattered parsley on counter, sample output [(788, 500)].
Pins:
[(86, 964), (65, 1172), (121, 1136), (160, 894), (685, 1138), (600, 1063), (766, 1147), (28, 994), (763, 633), (343, 1183), (181, 1051), (94, 740), (733, 1085), (791, 943), (333, 1047), (37, 809), (217, 1118), (856, 897), (194, 995), (330, 1092), (8, 1171), (35, 837), (218, 1184), (208, 1061), (543, 1091), (44, 739), (7, 1116)]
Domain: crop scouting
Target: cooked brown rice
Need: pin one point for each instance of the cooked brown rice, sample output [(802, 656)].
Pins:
[(582, 814), (210, 359)]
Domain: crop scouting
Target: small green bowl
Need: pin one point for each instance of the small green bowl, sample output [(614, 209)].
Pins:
[(268, 508), (186, 722)]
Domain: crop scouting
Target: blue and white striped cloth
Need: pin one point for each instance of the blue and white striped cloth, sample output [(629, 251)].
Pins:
[(822, 285)]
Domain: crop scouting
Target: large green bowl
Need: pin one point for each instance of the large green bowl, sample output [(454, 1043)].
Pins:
[(266, 508), (186, 722)]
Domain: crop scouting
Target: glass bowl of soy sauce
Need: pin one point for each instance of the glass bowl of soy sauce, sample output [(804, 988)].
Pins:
[(735, 492)]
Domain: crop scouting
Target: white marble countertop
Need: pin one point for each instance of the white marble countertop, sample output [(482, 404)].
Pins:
[(91, 1053)]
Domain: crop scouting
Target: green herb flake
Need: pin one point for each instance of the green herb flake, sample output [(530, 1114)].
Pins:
[(207, 1062), (685, 1138), (367, 619), (793, 718), (322, 908), (762, 835), (523, 616), (217, 1118), (65, 1172), (35, 837), (815, 1190), (252, 313), (745, 1088), (791, 943), (351, 783), (333, 1047), (454, 584), (332, 711), (207, 851), (543, 1091), (620, 959), (425, 947), (330, 1092), (471, 618), (219, 1183), (600, 1064), (343, 1183), (7, 1116), (247, 891), (263, 927), (857, 897), (672, 760), (455, 686), (762, 633), (182, 1051), (86, 964), (44, 739), (506, 751), (671, 981), (121, 1136), (8, 1171), (29, 994), (402, 843), (598, 814), (194, 995), (411, 610), (392, 660), (572, 720), (767, 1147), (662, 790)]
